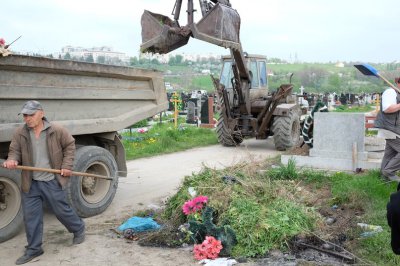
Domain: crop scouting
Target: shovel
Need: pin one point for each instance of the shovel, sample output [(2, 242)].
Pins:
[(369, 70), (56, 171)]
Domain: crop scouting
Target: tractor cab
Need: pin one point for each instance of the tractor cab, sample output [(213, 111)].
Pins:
[(257, 66)]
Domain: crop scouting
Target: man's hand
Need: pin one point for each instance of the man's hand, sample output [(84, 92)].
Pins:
[(10, 164), (66, 172)]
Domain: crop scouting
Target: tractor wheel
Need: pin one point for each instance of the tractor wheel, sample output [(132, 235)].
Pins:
[(225, 137), (286, 131)]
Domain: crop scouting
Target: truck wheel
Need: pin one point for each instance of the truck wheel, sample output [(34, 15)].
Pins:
[(225, 137), (286, 131), (91, 196), (11, 217)]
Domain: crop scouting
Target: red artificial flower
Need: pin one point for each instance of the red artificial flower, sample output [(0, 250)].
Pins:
[(209, 249)]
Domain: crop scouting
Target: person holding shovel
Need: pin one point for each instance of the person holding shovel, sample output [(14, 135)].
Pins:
[(388, 124), (40, 143)]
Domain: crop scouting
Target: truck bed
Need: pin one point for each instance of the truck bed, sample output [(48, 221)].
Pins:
[(86, 98)]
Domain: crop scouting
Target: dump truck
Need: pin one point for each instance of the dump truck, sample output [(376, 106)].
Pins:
[(246, 106), (94, 102)]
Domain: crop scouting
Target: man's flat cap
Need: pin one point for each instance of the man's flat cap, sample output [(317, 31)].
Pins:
[(30, 107)]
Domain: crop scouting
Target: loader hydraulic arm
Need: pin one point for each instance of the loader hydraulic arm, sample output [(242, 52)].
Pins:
[(220, 25)]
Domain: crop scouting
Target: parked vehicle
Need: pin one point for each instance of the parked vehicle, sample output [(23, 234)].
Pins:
[(94, 102)]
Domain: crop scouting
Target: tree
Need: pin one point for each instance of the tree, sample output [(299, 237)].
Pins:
[(334, 82), (67, 56), (101, 59), (172, 61), (154, 61), (179, 59), (89, 58), (175, 60), (133, 61)]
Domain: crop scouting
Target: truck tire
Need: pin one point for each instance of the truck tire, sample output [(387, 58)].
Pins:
[(225, 137), (90, 196), (11, 216), (286, 131)]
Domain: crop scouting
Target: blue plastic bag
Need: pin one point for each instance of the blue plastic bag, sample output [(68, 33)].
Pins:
[(139, 224)]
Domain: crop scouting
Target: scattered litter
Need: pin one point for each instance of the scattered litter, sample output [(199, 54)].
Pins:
[(192, 192), (218, 262), (229, 179), (372, 229), (153, 207), (330, 220), (359, 170), (327, 246), (130, 234), (139, 224), (335, 207)]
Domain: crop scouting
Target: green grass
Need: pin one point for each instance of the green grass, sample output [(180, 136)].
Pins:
[(165, 138), (372, 194), (250, 206), (354, 109), (367, 192), (260, 207)]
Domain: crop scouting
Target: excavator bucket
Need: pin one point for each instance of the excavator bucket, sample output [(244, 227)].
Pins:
[(160, 34), (220, 26)]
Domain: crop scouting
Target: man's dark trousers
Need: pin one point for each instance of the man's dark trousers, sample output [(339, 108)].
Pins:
[(391, 159), (32, 204)]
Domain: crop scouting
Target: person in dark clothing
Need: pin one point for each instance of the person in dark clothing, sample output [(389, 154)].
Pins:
[(393, 219), (388, 124), (40, 143)]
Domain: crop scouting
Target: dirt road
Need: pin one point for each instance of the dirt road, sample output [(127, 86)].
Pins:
[(149, 182)]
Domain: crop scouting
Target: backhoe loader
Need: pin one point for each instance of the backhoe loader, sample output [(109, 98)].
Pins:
[(246, 107)]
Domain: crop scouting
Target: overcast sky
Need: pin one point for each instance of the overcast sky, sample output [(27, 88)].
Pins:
[(314, 30)]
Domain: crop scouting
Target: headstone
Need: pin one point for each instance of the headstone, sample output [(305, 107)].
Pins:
[(191, 111), (204, 111)]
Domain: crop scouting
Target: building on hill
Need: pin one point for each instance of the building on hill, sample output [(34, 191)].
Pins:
[(164, 58), (339, 64), (98, 53)]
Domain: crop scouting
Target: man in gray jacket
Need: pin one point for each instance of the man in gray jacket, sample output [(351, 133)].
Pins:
[(40, 143), (388, 122)]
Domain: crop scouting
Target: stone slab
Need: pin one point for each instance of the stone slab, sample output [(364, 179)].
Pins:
[(335, 134), (330, 163)]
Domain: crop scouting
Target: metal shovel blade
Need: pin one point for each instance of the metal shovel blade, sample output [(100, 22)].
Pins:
[(160, 34), (371, 71), (367, 70), (220, 26)]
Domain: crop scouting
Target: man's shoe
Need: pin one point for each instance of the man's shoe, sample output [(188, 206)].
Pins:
[(26, 258), (79, 238)]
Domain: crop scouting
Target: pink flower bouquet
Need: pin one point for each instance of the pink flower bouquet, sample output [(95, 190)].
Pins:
[(194, 205), (209, 249)]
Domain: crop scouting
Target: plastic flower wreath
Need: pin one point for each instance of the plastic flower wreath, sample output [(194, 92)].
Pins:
[(209, 249), (194, 205)]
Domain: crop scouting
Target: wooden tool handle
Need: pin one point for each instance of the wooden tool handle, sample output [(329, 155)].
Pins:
[(56, 171)]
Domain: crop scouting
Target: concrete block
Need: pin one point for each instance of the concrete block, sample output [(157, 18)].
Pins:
[(335, 134), (375, 155)]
